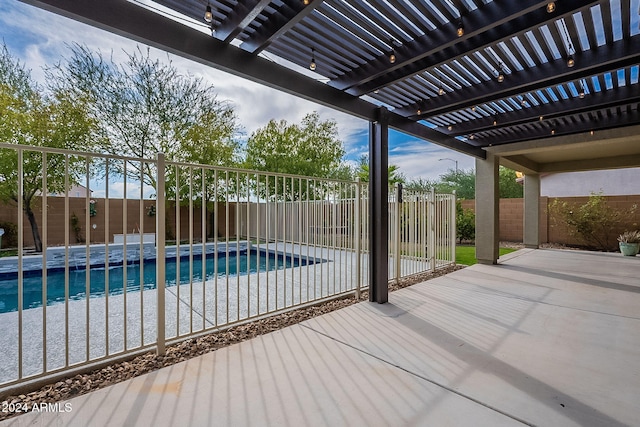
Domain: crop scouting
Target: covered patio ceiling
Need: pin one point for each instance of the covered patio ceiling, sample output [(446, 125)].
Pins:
[(518, 77)]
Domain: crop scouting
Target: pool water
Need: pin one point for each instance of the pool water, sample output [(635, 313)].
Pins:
[(244, 262)]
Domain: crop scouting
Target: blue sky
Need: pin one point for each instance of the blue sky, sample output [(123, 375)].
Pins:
[(39, 38)]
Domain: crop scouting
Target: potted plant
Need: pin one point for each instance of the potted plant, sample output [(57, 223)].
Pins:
[(629, 243)]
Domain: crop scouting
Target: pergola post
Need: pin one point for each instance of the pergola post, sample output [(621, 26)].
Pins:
[(378, 208), (487, 209), (532, 211)]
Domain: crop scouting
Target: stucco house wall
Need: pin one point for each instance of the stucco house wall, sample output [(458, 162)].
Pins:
[(613, 182)]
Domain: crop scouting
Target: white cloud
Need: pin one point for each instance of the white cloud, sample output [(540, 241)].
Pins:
[(419, 159), (116, 190), (38, 45)]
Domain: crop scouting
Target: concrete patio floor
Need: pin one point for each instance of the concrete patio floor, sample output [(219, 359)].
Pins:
[(548, 337)]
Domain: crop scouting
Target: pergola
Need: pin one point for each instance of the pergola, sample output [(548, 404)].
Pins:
[(537, 86)]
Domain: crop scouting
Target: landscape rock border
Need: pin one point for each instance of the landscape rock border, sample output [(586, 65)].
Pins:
[(84, 383)]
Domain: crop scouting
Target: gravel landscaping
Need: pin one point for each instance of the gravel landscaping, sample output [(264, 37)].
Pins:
[(84, 383)]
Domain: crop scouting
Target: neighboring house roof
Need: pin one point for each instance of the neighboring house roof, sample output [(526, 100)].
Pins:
[(75, 191)]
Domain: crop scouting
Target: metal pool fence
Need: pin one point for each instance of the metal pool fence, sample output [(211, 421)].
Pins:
[(254, 244)]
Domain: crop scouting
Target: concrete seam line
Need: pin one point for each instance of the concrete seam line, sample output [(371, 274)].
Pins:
[(436, 383)]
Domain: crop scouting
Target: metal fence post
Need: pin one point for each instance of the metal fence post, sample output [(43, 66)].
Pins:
[(454, 227), (358, 237), (431, 230), (160, 250), (397, 239)]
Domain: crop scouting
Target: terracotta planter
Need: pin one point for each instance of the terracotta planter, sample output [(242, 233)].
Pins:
[(629, 249)]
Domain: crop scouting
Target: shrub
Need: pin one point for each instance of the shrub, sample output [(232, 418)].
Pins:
[(10, 238), (465, 223), (76, 228), (595, 223)]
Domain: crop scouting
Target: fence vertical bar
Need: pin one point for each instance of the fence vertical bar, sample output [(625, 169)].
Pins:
[(358, 237), (141, 251), (125, 259), (160, 252), (397, 271), (45, 244), (87, 258), (247, 224), (190, 249), (178, 259), (431, 238), (203, 260), (106, 256), (237, 230), (20, 256), (215, 246), (453, 228), (66, 264)]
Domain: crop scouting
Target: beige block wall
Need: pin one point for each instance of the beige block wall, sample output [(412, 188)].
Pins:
[(511, 218), (118, 224)]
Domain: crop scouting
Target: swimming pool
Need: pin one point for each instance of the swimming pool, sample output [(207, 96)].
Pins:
[(234, 263)]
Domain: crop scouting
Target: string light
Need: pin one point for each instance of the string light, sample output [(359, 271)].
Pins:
[(495, 120), (581, 93), (551, 7), (392, 54), (312, 64), (501, 74), (460, 30), (571, 62), (208, 15)]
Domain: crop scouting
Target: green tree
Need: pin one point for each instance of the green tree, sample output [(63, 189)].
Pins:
[(465, 223), (393, 174), (509, 187), (144, 106), (311, 148), (30, 117), (420, 185), (463, 182)]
